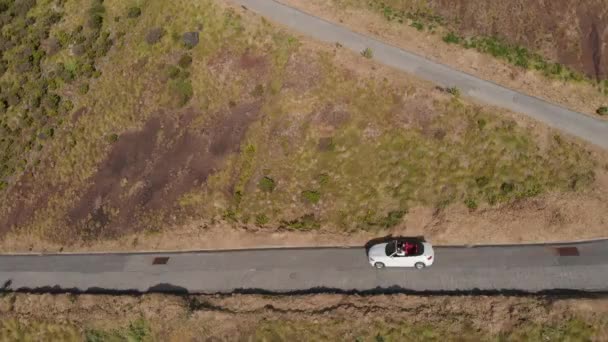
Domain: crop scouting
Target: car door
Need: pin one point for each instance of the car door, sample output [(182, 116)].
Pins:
[(404, 261)]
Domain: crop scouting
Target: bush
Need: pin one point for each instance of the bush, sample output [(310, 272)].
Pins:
[(185, 60), (392, 218), (95, 21), (470, 203), (323, 178), (133, 12), (454, 91), (308, 221), (451, 38), (367, 53), (417, 25), (267, 184), (182, 91), (311, 196), (155, 35), (112, 138), (51, 101), (603, 110), (83, 88), (261, 219), (173, 72)]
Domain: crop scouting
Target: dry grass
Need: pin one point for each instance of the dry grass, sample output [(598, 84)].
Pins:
[(302, 318), (348, 149)]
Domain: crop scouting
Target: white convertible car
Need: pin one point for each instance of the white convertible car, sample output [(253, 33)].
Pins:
[(401, 253)]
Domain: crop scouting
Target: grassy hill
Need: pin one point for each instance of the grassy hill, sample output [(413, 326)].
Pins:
[(129, 116)]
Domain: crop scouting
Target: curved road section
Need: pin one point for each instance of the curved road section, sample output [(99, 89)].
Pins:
[(529, 268), (577, 124)]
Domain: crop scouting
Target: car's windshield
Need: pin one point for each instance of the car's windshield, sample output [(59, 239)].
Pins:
[(390, 248)]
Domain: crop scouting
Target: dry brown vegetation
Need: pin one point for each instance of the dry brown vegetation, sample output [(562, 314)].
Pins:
[(172, 145), (301, 318)]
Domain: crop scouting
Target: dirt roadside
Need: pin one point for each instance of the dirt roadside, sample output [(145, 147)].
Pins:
[(309, 317)]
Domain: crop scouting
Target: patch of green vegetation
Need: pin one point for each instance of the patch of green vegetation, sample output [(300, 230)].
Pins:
[(15, 330), (311, 196), (454, 91), (267, 184), (133, 12), (181, 91), (261, 219), (185, 60), (137, 331), (367, 53), (305, 222), (416, 14), (603, 110), (516, 55), (470, 203)]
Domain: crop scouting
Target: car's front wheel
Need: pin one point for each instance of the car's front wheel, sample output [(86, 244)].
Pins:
[(379, 265), (419, 265)]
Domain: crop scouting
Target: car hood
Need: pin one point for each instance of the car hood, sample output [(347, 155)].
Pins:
[(377, 251)]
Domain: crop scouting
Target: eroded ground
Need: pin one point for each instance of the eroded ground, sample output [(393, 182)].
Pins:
[(301, 318)]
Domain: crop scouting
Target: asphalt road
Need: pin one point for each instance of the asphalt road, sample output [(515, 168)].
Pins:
[(533, 268), (577, 124)]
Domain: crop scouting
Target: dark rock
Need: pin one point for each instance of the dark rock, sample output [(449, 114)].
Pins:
[(190, 39)]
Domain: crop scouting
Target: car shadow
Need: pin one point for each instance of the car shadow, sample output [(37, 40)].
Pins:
[(388, 238)]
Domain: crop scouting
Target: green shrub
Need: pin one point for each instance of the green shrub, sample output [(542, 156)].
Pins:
[(454, 91), (185, 60), (603, 110), (482, 181), (417, 25), (267, 184), (95, 21), (311, 196), (367, 53), (323, 179), (112, 138), (133, 12), (451, 38), (182, 91), (83, 88), (173, 71), (261, 219), (392, 218), (51, 101), (470, 203), (306, 222)]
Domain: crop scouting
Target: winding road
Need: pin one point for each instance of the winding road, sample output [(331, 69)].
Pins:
[(525, 268), (577, 124)]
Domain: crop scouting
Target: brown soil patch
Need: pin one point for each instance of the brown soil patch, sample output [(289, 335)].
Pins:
[(150, 169)]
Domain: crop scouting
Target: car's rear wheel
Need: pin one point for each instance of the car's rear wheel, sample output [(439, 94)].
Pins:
[(419, 265), (379, 265)]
